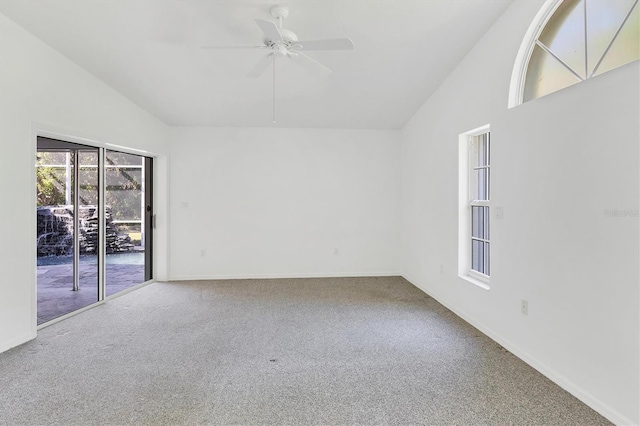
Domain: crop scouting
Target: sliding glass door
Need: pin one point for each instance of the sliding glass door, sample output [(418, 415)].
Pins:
[(94, 211), (67, 227), (128, 214)]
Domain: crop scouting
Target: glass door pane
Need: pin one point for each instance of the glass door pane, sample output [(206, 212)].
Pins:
[(67, 194), (88, 222), (126, 213)]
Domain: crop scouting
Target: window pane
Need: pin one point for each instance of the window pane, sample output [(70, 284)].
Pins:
[(625, 48), (487, 184), (88, 178), (545, 75), (482, 150), (59, 289), (124, 191), (603, 19), (564, 35), (486, 223), (486, 258), (53, 185), (480, 192), (122, 159), (473, 185), (477, 256), (477, 222), (124, 217), (51, 158)]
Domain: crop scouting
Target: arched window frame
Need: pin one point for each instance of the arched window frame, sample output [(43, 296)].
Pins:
[(521, 65), (519, 73)]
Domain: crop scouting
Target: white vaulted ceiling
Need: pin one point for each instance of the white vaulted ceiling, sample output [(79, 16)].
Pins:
[(149, 50)]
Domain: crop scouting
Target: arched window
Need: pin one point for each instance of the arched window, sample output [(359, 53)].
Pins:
[(572, 40)]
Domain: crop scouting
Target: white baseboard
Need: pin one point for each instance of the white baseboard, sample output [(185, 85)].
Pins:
[(283, 275), (597, 405), (5, 346)]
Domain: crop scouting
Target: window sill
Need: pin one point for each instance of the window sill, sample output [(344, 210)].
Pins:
[(476, 282)]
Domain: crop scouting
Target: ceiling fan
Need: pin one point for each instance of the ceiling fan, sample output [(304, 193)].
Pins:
[(283, 43)]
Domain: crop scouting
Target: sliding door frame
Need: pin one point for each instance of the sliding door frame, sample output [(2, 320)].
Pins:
[(149, 217), (102, 227)]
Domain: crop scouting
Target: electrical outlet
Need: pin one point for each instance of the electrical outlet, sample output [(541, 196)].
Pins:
[(335, 251), (499, 212), (185, 204), (203, 253), (442, 269), (524, 307)]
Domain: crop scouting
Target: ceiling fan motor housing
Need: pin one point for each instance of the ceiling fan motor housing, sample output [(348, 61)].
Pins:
[(288, 35)]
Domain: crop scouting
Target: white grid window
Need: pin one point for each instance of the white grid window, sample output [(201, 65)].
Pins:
[(479, 195)]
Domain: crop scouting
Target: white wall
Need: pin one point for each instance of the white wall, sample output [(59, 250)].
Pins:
[(557, 164), (269, 202), (41, 89)]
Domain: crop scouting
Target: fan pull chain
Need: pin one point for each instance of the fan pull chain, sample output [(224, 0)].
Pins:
[(274, 89)]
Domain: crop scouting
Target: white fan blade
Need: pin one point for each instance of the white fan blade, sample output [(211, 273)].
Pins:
[(261, 66), (329, 44), (270, 30), (308, 62), (231, 47)]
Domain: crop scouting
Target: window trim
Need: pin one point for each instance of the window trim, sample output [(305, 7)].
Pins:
[(478, 276), (531, 40), (519, 73), (464, 209)]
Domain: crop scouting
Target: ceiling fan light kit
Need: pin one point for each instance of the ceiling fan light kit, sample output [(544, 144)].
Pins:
[(282, 42)]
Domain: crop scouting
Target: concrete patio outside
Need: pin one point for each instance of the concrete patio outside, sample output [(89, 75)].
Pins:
[(55, 281)]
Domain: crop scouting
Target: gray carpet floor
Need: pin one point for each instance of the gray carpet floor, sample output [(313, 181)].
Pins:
[(295, 351)]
